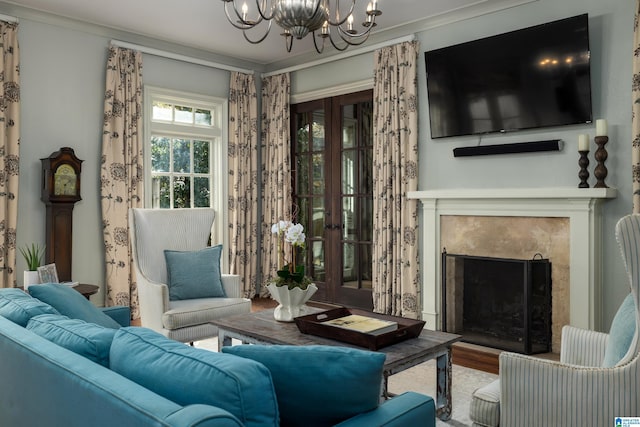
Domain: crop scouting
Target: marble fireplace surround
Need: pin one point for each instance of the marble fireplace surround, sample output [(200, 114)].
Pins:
[(580, 206)]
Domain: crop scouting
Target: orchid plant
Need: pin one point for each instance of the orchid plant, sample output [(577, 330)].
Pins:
[(289, 273)]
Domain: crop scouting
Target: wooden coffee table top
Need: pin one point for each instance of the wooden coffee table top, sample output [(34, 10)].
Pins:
[(262, 327)]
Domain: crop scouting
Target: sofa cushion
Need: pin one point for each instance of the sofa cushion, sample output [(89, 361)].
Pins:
[(623, 328), (17, 306), (485, 405), (86, 339), (188, 375), (319, 385), (71, 303), (194, 274)]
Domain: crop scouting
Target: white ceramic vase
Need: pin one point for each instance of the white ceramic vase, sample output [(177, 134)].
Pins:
[(291, 302), (30, 278)]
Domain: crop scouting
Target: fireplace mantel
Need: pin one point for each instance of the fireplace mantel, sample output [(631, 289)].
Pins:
[(580, 205)]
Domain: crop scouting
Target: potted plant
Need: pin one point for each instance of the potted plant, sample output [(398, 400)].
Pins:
[(33, 255), (290, 288)]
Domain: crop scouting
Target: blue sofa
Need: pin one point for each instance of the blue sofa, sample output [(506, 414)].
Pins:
[(60, 370)]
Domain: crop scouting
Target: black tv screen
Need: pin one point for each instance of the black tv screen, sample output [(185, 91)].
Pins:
[(530, 78)]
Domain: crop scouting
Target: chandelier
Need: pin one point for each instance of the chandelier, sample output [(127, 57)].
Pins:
[(298, 18)]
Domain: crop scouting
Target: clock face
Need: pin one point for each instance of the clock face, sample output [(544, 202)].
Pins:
[(65, 181)]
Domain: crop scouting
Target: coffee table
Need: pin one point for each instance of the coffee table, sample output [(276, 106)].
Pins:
[(261, 328)]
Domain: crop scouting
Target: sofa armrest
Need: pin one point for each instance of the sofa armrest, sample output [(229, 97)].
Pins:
[(540, 392), (202, 416), (406, 409), (154, 301), (119, 313), (582, 347), (231, 285)]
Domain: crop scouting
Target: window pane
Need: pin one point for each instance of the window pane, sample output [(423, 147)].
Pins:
[(183, 114), (349, 172), (349, 270), (201, 150), (318, 173), (181, 192), (160, 197), (201, 192), (318, 131), (203, 117), (317, 254), (349, 231), (318, 217), (162, 111), (302, 175), (303, 132), (181, 155), (366, 171), (366, 218), (159, 154), (365, 266)]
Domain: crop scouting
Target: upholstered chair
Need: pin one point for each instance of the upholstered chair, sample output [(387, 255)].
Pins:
[(596, 379), (182, 290)]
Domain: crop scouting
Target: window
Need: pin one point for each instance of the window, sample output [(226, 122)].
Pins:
[(185, 152)]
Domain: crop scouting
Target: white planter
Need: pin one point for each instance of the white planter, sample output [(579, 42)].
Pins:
[(291, 302), (30, 278)]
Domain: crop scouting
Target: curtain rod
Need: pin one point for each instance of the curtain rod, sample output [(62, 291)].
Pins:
[(8, 18), (342, 55), (178, 57)]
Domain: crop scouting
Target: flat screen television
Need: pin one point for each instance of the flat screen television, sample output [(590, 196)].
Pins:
[(530, 78)]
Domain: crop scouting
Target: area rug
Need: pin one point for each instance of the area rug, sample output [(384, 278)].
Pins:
[(422, 379)]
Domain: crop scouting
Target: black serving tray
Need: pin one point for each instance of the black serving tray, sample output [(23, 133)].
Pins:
[(313, 324)]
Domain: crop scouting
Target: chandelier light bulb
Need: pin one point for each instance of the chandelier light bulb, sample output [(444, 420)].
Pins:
[(349, 23), (245, 9)]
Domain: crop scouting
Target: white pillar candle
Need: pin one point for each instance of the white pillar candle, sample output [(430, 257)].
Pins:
[(583, 142), (601, 127)]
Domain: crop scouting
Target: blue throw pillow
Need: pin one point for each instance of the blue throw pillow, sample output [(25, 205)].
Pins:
[(188, 375), (17, 306), (319, 385), (623, 328), (194, 274), (86, 339), (71, 303)]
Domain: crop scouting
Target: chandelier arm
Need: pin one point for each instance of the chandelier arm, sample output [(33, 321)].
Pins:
[(335, 46), (288, 45), (244, 25), (339, 21), (266, 33), (348, 35), (347, 38), (260, 10), (315, 42)]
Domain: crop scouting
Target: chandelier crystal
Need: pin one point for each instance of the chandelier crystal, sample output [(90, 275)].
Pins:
[(324, 19)]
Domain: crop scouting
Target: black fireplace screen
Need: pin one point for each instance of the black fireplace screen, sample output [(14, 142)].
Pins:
[(498, 302)]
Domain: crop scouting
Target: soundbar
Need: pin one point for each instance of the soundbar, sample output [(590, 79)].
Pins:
[(518, 147)]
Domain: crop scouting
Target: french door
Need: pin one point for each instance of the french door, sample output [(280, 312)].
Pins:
[(333, 193)]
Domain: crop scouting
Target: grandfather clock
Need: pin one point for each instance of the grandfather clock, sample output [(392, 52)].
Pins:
[(60, 192)]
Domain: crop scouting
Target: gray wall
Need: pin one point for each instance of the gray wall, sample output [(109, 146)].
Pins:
[(63, 84), (62, 79), (611, 35)]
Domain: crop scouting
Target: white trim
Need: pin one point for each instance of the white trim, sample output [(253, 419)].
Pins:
[(347, 54), (332, 91), (8, 18), (581, 206), (178, 57)]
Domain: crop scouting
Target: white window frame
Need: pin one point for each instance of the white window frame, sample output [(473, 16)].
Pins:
[(217, 134)]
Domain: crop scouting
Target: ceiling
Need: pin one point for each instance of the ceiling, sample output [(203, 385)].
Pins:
[(202, 24)]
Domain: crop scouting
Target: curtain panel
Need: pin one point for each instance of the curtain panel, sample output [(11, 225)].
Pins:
[(243, 180), (276, 167), (635, 116), (121, 172), (9, 150), (396, 278)]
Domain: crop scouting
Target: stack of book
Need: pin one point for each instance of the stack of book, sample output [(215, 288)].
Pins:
[(364, 324)]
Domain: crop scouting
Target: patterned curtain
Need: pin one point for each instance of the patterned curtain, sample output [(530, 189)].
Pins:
[(276, 167), (635, 117), (396, 278), (243, 180), (9, 150), (121, 174)]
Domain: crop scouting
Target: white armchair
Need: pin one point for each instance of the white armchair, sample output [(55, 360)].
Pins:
[(581, 389), (153, 231)]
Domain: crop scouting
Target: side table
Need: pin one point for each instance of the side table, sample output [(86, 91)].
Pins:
[(86, 289)]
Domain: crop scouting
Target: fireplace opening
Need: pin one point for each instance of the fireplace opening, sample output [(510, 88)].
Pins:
[(502, 303)]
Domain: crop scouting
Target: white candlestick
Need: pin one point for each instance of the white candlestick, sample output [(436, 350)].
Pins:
[(583, 142), (601, 127)]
